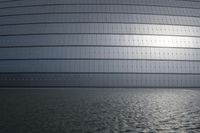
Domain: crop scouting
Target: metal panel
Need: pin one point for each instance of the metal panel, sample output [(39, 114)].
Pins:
[(101, 43)]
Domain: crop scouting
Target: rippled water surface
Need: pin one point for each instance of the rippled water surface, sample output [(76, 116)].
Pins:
[(99, 110)]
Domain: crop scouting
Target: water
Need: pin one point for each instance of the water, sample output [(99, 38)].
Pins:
[(99, 110)]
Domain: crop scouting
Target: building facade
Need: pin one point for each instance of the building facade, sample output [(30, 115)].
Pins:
[(100, 43)]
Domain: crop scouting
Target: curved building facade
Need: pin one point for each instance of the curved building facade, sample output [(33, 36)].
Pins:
[(100, 43)]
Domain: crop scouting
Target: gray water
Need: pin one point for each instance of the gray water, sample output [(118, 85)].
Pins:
[(99, 110)]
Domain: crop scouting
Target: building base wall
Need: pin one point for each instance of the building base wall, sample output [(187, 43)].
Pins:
[(99, 80)]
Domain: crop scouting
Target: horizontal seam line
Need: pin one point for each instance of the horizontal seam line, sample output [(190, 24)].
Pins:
[(45, 86), (33, 34), (9, 1), (94, 59), (57, 13), (95, 73), (188, 1), (152, 5), (35, 46), (37, 23)]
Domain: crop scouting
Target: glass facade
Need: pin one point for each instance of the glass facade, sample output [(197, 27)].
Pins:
[(100, 43)]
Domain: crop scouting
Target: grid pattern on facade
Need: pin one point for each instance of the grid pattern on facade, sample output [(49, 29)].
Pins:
[(100, 43)]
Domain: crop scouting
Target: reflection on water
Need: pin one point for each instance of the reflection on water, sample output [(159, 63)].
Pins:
[(100, 110)]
